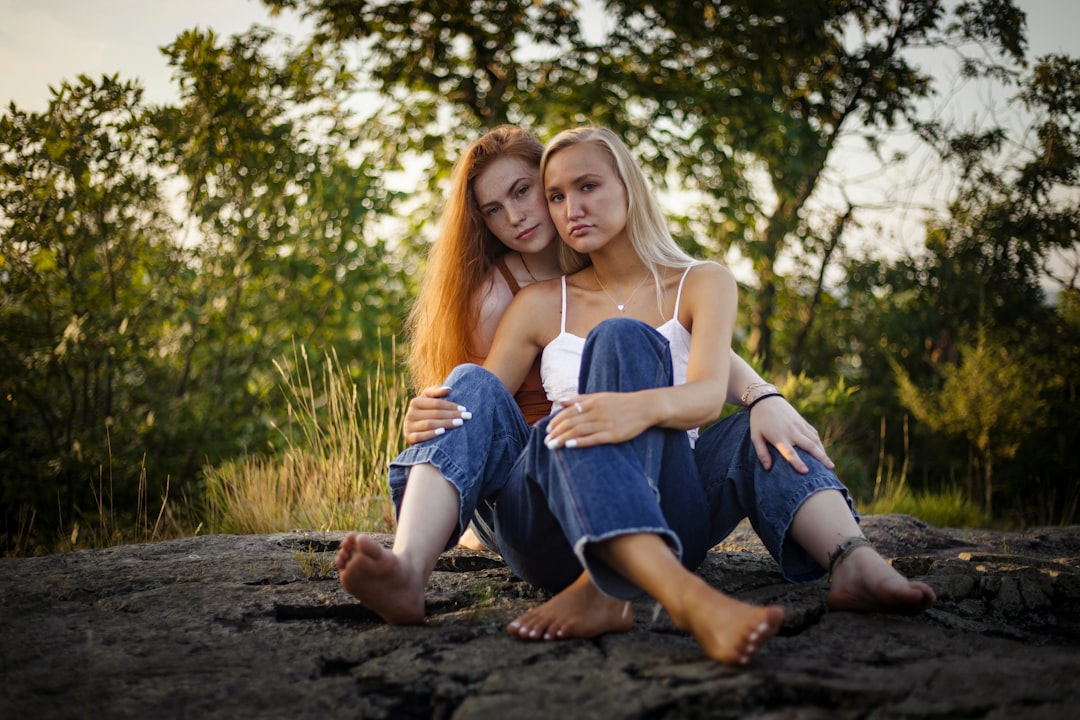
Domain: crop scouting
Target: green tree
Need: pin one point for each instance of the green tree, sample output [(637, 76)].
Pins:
[(281, 197), (84, 240), (989, 397), (982, 272)]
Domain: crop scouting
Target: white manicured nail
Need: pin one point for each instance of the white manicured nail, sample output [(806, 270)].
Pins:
[(440, 431), (457, 422), (466, 415), (461, 408), (552, 443), (571, 443)]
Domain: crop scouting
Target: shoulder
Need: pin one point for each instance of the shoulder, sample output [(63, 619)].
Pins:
[(707, 275), (539, 294), (536, 310), (489, 303), (708, 286), (709, 271), (492, 295)]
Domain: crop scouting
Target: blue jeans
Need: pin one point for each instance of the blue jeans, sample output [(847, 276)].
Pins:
[(548, 508)]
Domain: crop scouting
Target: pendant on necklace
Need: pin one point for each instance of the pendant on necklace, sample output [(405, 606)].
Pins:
[(622, 306)]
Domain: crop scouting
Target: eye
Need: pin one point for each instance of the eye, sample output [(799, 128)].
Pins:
[(555, 197), (588, 186), (491, 210), (523, 191)]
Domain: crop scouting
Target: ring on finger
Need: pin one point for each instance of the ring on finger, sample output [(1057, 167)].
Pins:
[(578, 407)]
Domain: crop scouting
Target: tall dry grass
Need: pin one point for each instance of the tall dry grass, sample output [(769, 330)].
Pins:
[(332, 473), (105, 525)]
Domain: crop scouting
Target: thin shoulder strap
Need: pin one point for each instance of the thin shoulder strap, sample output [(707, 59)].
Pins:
[(500, 262), (562, 320), (678, 295)]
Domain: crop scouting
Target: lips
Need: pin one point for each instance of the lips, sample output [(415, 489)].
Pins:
[(527, 233), (578, 229)]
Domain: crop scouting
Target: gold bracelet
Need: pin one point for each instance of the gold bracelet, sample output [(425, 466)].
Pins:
[(756, 390)]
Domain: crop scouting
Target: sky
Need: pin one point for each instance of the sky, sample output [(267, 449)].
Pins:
[(45, 42)]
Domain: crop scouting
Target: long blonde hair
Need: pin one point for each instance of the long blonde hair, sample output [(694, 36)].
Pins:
[(443, 318), (645, 222)]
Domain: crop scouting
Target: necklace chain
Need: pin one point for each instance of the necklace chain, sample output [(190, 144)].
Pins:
[(625, 302), (526, 266)]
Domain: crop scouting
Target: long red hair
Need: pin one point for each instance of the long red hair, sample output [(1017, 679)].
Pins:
[(443, 318)]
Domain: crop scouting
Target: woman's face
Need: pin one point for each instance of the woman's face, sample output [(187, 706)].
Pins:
[(586, 199), (512, 203)]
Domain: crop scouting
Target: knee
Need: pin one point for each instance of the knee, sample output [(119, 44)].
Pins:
[(614, 332), (469, 373)]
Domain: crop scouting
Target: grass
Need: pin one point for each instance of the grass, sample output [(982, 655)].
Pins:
[(332, 473), (947, 509), (892, 494), (108, 525)]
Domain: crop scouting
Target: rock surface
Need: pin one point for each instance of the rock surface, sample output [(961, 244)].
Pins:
[(258, 627)]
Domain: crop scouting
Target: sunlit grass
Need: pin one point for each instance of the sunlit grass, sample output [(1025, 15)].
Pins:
[(332, 472), (947, 509)]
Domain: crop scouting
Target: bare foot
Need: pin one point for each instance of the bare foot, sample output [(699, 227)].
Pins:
[(729, 630), (380, 580), (469, 541), (579, 611), (864, 582)]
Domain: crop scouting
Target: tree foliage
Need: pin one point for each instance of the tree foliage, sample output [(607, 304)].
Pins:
[(979, 282), (86, 243), (137, 346), (989, 397), (281, 207)]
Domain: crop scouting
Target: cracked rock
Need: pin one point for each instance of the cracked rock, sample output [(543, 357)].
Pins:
[(257, 626)]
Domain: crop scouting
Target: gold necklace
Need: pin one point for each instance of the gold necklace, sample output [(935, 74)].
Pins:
[(624, 303)]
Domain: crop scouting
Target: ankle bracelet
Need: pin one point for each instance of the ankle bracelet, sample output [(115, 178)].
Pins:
[(844, 549)]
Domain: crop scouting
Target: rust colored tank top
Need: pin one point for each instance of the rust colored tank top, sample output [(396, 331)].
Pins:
[(531, 397)]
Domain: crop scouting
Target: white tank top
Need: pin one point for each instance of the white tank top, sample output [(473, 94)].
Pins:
[(560, 362)]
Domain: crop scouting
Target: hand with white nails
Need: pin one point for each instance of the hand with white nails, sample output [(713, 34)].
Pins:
[(430, 415)]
